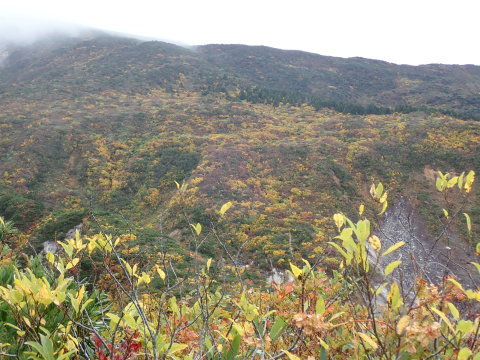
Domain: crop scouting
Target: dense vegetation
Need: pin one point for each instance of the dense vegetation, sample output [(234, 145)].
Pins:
[(126, 310), (145, 141)]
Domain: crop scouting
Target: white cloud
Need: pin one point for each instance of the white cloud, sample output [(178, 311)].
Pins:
[(407, 31)]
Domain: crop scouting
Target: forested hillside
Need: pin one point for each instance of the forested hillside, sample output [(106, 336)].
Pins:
[(147, 141)]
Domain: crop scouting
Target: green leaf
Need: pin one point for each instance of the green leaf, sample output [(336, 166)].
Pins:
[(320, 307), (453, 310), (392, 266), (379, 190), (469, 222), (464, 353), (45, 348), (464, 326), (323, 354), (363, 230), (234, 347), (277, 328), (345, 255)]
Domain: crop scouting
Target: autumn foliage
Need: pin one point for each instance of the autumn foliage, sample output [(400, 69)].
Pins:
[(358, 310)]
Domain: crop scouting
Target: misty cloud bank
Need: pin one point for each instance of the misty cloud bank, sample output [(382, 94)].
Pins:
[(26, 30)]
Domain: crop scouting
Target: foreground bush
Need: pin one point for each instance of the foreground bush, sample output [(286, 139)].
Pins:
[(151, 311)]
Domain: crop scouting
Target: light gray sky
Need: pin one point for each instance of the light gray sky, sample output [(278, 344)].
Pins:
[(400, 31)]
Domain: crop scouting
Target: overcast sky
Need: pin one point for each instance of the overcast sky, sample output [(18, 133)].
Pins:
[(400, 31)]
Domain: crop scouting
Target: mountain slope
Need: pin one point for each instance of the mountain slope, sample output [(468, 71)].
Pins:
[(108, 125), (68, 66), (354, 79)]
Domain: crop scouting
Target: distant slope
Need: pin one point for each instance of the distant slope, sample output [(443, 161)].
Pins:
[(65, 67), (353, 79), (69, 67)]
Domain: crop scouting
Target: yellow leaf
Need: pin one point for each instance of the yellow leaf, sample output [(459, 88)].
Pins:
[(145, 278), (27, 321), (469, 181), (440, 184), (394, 247), (295, 270), (50, 257), (225, 207), (392, 266), (72, 263), (176, 348), (477, 265), (368, 340), (384, 198), (339, 220), (444, 318), (197, 228), (324, 344), (452, 182), (361, 209), (384, 208), (375, 242), (161, 273), (402, 324), (460, 180), (445, 212), (456, 283), (209, 263), (290, 355), (464, 353), (394, 297)]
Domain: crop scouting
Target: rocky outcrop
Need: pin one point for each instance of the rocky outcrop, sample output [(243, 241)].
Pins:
[(53, 246), (279, 276), (423, 255)]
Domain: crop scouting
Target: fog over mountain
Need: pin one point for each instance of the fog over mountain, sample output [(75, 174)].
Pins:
[(25, 30)]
